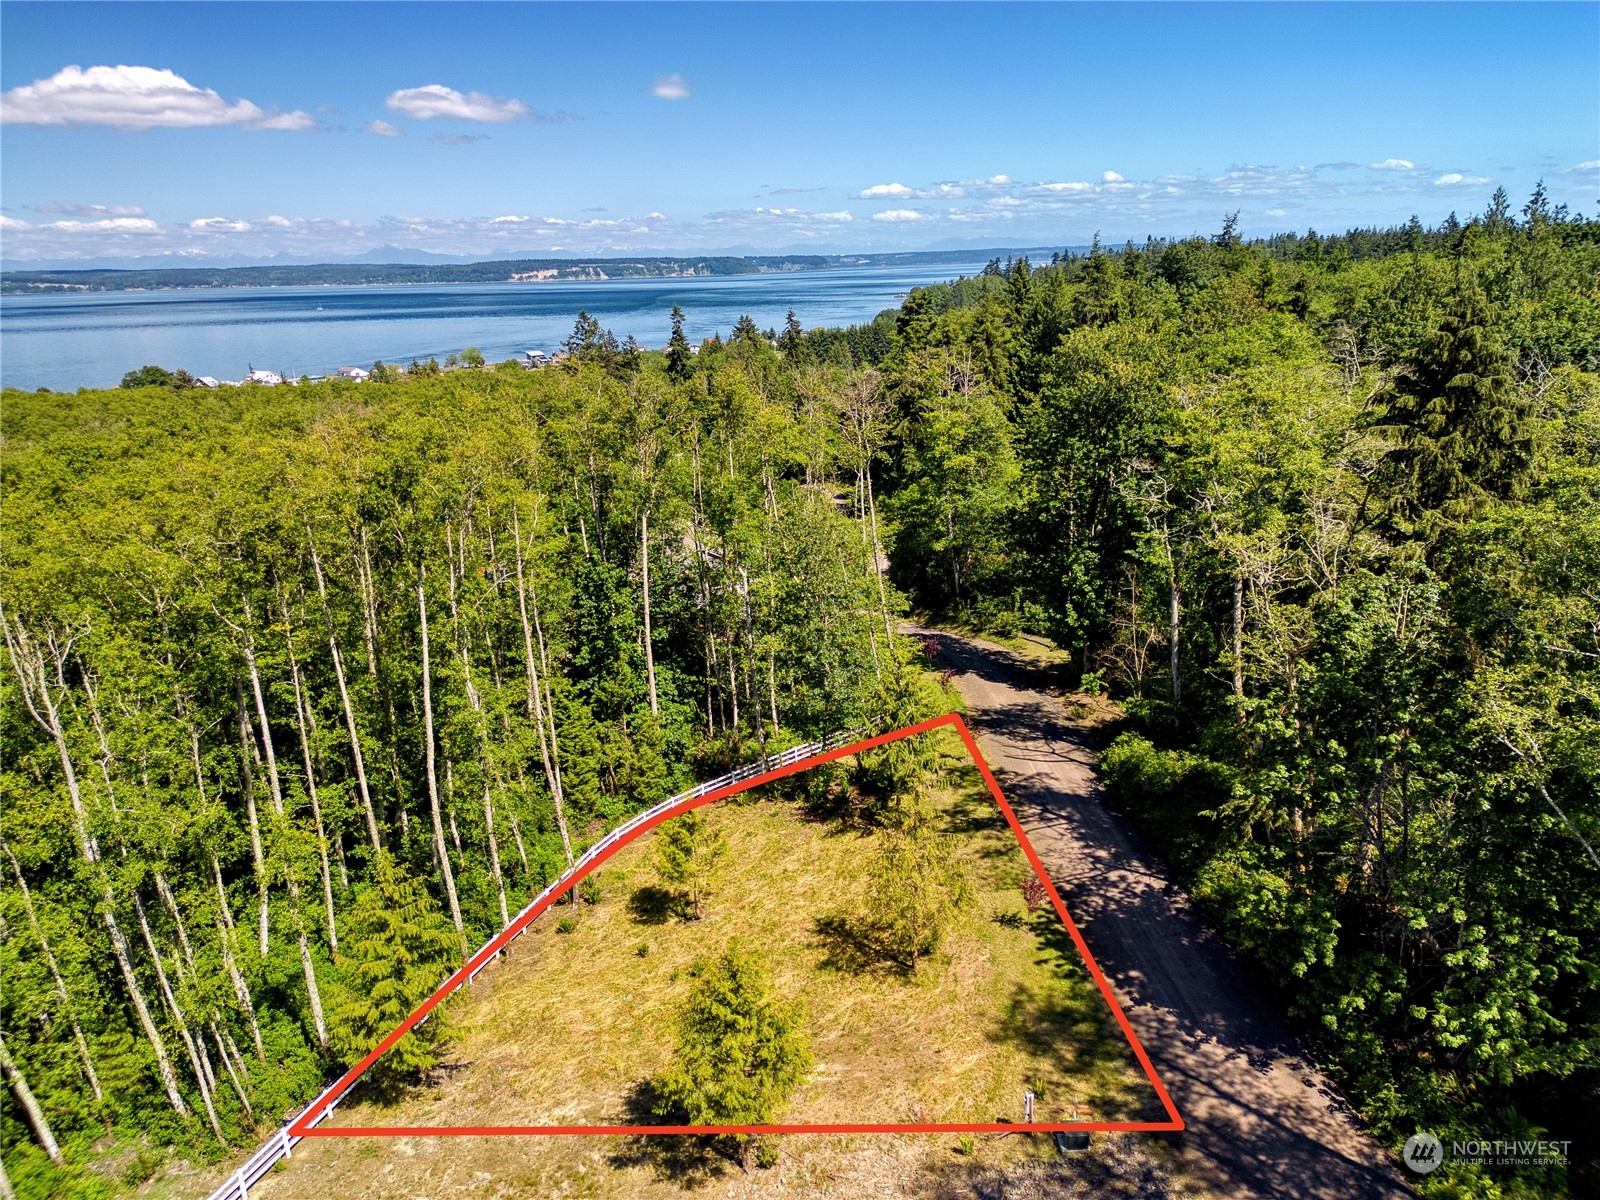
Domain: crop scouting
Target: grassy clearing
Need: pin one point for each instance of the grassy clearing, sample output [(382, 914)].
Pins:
[(571, 1026)]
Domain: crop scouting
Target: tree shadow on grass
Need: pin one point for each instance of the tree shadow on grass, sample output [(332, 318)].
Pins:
[(852, 945), (1067, 1028), (691, 1161), (651, 905)]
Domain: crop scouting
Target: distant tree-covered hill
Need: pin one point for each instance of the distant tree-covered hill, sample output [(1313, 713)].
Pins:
[(522, 270)]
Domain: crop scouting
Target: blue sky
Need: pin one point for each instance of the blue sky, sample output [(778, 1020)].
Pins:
[(198, 130)]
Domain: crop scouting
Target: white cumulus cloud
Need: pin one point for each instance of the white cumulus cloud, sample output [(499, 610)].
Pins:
[(218, 225), (13, 223), (898, 214), (1451, 178), (126, 97), (382, 129), (109, 225), (436, 100), (879, 190), (1110, 177), (671, 87), (1393, 164)]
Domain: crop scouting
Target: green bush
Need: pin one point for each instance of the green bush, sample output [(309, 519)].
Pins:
[(1171, 794)]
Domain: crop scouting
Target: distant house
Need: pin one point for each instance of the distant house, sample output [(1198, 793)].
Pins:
[(265, 378), (535, 358), (359, 374), (206, 381)]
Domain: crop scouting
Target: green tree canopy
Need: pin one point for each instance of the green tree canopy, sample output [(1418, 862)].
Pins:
[(397, 949), (741, 1049)]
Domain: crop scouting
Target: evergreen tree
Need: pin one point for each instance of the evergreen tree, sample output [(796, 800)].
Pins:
[(1463, 431), (396, 949), (741, 1050), (680, 358), (689, 850), (792, 341), (917, 889)]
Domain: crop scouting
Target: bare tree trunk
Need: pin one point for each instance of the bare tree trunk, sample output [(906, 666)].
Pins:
[(1238, 641), (433, 774), (494, 855), (55, 974), (305, 726), (261, 711), (877, 556), (1177, 682), (43, 705), (307, 966), (247, 777), (177, 1018), (649, 647), (536, 711), (233, 1075), (225, 935), (550, 714), (30, 1106), (344, 700)]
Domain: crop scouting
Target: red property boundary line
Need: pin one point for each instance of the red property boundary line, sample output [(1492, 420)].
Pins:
[(303, 1126)]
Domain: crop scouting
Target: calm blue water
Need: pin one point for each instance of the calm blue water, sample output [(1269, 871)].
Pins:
[(71, 341)]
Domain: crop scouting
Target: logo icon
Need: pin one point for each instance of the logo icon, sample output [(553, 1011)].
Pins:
[(1423, 1153)]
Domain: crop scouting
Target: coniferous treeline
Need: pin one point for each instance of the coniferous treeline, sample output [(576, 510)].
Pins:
[(1325, 514)]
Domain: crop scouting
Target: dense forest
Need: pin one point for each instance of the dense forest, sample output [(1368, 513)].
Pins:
[(1322, 513)]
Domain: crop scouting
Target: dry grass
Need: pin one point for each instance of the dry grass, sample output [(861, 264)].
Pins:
[(568, 1029)]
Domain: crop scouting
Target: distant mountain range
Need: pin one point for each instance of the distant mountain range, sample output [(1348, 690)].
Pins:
[(420, 267)]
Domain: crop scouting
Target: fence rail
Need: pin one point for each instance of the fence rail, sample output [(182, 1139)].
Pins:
[(281, 1144)]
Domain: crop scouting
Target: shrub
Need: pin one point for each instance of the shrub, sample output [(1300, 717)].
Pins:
[(1171, 794), (566, 925)]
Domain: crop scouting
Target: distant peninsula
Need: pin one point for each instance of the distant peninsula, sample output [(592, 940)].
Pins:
[(521, 270), (517, 270)]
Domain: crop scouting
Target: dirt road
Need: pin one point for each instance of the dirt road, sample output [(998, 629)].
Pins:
[(1262, 1119)]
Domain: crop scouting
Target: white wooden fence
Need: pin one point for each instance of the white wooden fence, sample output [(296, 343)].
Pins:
[(281, 1144)]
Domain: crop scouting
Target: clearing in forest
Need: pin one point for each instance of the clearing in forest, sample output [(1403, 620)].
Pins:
[(568, 1032)]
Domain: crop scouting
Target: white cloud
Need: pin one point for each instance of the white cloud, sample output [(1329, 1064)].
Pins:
[(457, 139), (13, 223), (1110, 177), (382, 129), (1000, 179), (1452, 178), (840, 215), (1393, 164), (91, 210), (436, 100), (126, 97), (671, 87), (1583, 166), (879, 190), (1275, 212), (218, 225), (109, 225), (1065, 187), (898, 214)]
